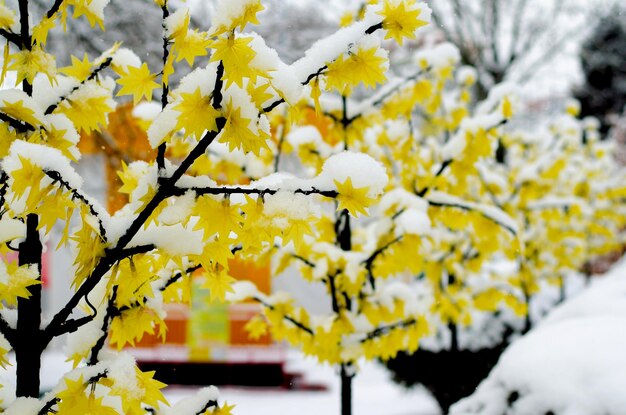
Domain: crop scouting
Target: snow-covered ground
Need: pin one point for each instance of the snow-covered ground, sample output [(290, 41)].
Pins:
[(573, 363), (374, 394)]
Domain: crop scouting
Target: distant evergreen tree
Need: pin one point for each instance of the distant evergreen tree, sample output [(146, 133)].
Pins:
[(603, 58)]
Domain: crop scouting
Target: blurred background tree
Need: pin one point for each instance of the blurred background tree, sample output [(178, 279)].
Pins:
[(511, 40), (603, 59)]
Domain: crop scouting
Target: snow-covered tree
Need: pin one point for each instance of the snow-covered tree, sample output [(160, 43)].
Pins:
[(177, 220), (429, 146), (563, 189), (547, 370), (511, 40)]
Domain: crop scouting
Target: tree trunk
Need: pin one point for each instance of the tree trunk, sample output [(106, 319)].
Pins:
[(346, 390), (28, 347)]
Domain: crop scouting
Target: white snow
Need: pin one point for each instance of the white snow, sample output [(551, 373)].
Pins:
[(439, 56), (362, 169), (45, 157), (374, 393), (174, 239), (331, 47), (124, 57), (24, 406), (242, 290), (572, 363), (196, 403), (413, 221), (10, 229), (227, 11), (490, 212)]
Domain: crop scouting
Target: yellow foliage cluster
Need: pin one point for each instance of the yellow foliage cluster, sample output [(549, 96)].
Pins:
[(467, 191), (196, 206)]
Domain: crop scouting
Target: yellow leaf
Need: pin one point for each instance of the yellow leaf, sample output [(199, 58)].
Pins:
[(40, 32), (355, 200), (196, 114), (363, 66), (219, 283), (256, 327), (224, 409), (20, 112), (138, 82), (29, 175), (401, 20), (315, 95), (191, 46), (240, 133), (216, 217), (82, 8), (7, 17), (130, 327), (151, 387), (29, 63), (19, 279), (507, 108), (236, 55), (88, 113)]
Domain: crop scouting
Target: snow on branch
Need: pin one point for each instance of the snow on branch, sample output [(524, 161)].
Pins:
[(498, 216)]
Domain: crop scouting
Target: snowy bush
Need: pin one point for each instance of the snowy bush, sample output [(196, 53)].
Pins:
[(185, 212), (571, 363), (563, 190)]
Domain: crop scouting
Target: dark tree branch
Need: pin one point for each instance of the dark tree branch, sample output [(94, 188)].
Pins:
[(71, 326), (135, 250), (200, 191), (279, 150), (110, 313), (164, 86), (304, 261), (381, 331), (178, 276), (520, 13), (7, 331), (18, 125), (210, 404), (25, 40), (442, 169), (54, 9), (470, 209), (369, 261), (107, 62), (290, 319), (11, 37), (57, 178), (47, 408)]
